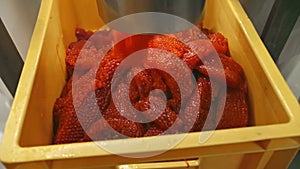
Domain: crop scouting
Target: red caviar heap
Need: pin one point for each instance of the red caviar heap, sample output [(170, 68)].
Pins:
[(110, 124)]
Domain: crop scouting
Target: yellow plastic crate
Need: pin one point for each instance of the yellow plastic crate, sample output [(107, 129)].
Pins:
[(271, 142)]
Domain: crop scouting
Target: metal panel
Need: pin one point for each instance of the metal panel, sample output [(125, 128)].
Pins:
[(258, 11), (279, 25), (10, 61)]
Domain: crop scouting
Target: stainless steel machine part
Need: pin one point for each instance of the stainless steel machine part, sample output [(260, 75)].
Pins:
[(190, 10)]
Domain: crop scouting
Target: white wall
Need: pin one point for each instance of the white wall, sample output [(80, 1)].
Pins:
[(5, 104), (19, 18)]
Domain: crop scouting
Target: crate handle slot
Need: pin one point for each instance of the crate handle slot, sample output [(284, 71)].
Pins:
[(162, 165)]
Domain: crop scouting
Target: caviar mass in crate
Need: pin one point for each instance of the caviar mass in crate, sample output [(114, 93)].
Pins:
[(101, 120)]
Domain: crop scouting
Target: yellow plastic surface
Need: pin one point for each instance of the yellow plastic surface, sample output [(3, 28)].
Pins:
[(275, 130)]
